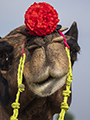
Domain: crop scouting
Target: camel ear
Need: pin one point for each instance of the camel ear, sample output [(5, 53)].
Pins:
[(73, 31)]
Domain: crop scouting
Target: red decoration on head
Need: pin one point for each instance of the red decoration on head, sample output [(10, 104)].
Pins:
[(41, 19)]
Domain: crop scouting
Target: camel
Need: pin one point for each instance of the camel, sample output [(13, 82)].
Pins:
[(45, 72)]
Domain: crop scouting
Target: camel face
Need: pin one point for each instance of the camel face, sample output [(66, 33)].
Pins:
[(45, 70), (46, 67)]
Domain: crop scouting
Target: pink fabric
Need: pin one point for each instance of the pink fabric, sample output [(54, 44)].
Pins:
[(65, 42), (23, 52), (24, 49)]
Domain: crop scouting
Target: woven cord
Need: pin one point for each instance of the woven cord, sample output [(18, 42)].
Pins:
[(21, 88), (66, 93)]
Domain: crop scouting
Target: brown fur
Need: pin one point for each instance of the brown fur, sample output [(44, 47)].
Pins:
[(42, 65)]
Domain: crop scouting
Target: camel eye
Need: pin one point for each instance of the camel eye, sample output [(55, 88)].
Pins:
[(6, 56)]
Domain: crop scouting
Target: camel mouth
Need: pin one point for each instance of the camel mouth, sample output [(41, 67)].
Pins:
[(45, 81), (48, 86)]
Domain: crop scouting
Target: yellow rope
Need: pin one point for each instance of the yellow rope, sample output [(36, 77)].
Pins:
[(66, 93), (21, 88)]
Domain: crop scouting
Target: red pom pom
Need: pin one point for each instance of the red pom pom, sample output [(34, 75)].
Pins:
[(41, 19)]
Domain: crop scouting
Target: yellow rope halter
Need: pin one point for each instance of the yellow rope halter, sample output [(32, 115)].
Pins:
[(21, 88)]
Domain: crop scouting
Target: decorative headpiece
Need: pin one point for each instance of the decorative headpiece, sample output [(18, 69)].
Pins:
[(41, 19)]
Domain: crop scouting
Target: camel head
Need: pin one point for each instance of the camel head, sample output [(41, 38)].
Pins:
[(46, 65), (45, 71)]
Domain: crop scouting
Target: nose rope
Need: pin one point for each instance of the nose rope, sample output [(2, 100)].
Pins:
[(66, 93)]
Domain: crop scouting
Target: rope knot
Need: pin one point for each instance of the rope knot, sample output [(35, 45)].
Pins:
[(69, 80), (21, 87), (66, 93), (71, 75), (64, 106), (15, 105)]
